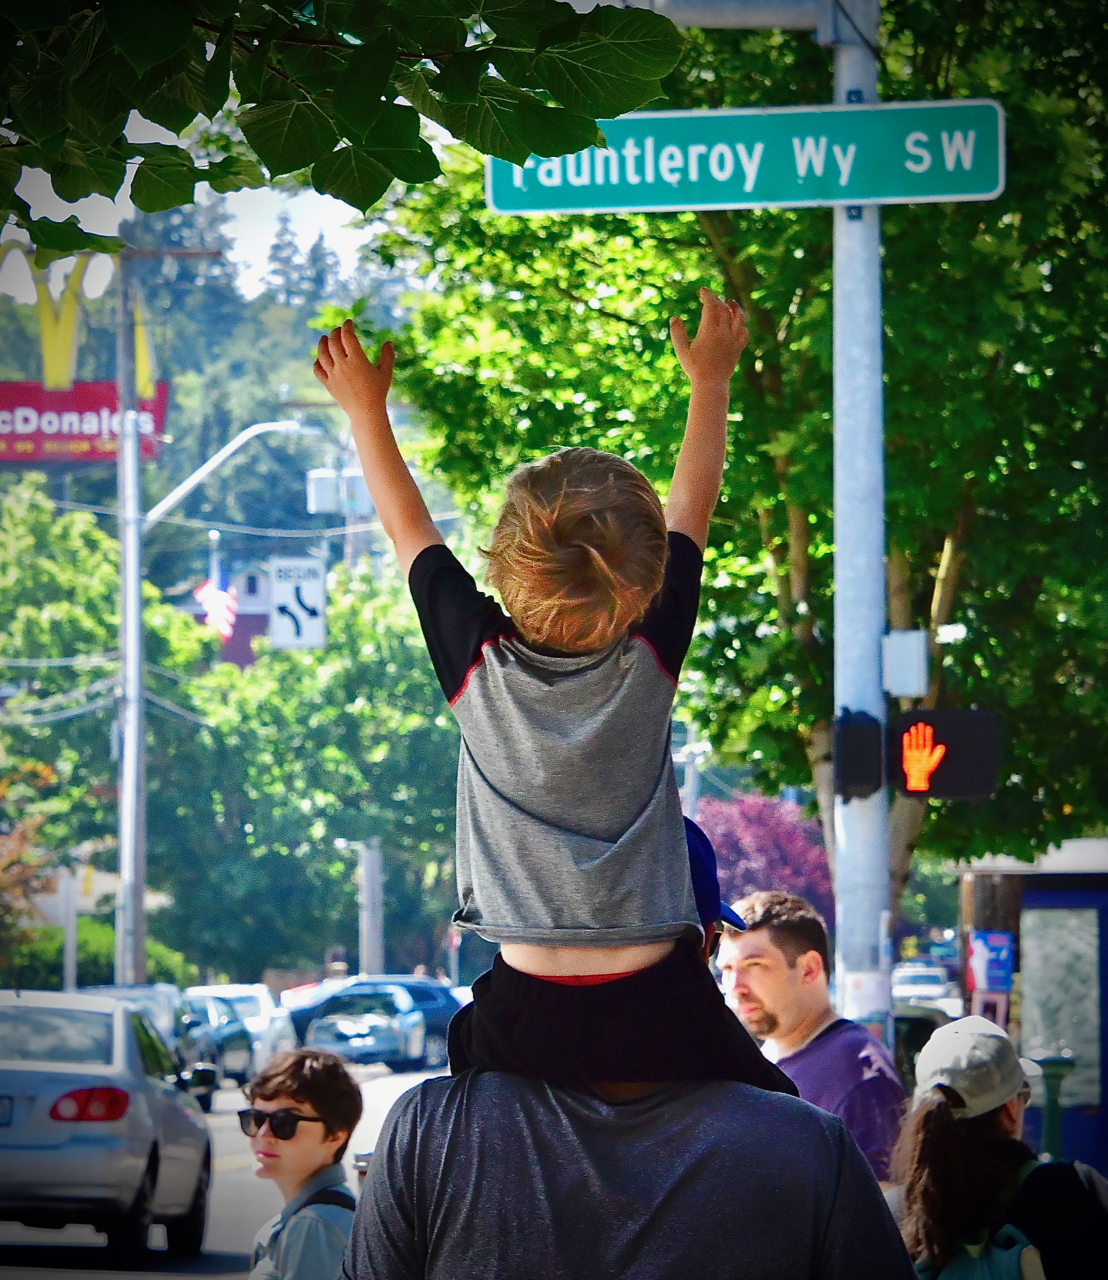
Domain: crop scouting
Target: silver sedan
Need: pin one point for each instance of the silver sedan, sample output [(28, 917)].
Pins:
[(96, 1124)]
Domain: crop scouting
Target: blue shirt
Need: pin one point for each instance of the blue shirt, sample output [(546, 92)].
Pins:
[(305, 1243), (846, 1071)]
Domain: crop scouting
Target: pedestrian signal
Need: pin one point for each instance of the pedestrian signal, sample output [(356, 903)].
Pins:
[(944, 755)]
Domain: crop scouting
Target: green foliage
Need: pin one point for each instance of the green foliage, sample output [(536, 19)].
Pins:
[(552, 331), (299, 78), (36, 962), (309, 748)]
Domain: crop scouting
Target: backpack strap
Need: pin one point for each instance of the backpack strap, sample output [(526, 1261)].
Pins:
[(333, 1196)]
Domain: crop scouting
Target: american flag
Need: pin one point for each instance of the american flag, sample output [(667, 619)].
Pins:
[(221, 607)]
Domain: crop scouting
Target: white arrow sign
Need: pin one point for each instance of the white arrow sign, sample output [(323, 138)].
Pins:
[(298, 603)]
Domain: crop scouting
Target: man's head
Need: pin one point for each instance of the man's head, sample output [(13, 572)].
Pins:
[(316, 1087), (775, 973), (579, 549)]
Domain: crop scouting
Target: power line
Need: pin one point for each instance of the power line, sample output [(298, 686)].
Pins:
[(250, 530), (174, 709), (80, 660), (51, 717)]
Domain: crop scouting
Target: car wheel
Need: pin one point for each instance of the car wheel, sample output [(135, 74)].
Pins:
[(434, 1051), (185, 1235), (128, 1235)]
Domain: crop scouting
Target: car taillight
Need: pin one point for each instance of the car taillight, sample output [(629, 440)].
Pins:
[(91, 1104)]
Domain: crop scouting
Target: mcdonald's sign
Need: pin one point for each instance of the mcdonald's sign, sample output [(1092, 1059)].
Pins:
[(59, 420)]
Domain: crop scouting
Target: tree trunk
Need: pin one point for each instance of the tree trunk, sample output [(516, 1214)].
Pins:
[(821, 758)]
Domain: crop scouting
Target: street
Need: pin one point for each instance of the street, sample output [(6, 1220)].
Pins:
[(240, 1203)]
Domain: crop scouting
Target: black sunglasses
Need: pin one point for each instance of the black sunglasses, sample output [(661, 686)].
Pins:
[(282, 1124)]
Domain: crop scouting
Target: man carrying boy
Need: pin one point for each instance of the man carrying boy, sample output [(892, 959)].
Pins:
[(571, 849)]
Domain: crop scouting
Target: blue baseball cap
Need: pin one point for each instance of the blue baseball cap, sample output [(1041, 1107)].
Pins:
[(705, 880)]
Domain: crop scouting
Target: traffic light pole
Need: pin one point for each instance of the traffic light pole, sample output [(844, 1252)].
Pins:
[(861, 825)]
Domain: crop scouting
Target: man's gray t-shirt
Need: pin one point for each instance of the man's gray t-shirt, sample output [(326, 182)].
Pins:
[(569, 819), (487, 1176)]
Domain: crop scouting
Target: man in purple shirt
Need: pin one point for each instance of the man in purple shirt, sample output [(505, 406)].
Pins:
[(775, 980)]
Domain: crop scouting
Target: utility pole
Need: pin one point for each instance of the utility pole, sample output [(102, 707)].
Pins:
[(861, 825), (130, 938), (371, 929), (130, 916)]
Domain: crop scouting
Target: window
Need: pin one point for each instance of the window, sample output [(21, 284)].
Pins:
[(198, 1007), (55, 1035), (153, 1054), (246, 1006), (251, 584), (359, 1004)]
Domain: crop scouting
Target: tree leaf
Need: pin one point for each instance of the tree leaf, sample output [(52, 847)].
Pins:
[(590, 89), (351, 174), (216, 85), (521, 22), (147, 39), (11, 166), (517, 68), (460, 75), (97, 106), (490, 127), (552, 131), (79, 173), (60, 239), (630, 42), (314, 69), (37, 16), (36, 107), (396, 129), (420, 165), (163, 182), (359, 94), (232, 173), (287, 135)]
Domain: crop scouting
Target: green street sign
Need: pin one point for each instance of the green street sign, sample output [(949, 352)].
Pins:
[(780, 157)]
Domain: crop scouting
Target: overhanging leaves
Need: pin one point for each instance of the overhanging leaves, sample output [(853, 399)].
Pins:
[(288, 135), (59, 239), (147, 37), (351, 174)]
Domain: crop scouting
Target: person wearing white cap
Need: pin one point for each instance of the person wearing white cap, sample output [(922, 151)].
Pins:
[(973, 1190)]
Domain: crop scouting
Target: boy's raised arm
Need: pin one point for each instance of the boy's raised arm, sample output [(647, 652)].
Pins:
[(360, 387), (709, 360)]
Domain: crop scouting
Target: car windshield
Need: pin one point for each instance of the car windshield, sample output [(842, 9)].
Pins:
[(359, 1004), (55, 1035), (245, 1006), (920, 980)]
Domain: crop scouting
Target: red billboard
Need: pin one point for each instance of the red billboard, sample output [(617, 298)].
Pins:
[(78, 425)]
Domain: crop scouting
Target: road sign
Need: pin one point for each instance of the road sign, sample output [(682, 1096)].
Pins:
[(658, 161), (298, 603), (944, 755)]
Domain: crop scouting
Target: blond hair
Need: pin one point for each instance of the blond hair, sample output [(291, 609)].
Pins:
[(579, 550)]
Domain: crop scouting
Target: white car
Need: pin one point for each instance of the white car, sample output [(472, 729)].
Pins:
[(926, 984), (270, 1027), (96, 1124)]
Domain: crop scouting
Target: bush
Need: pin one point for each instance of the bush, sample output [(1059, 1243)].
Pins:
[(36, 963)]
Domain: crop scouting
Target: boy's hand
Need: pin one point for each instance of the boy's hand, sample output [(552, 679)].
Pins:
[(720, 338), (348, 373)]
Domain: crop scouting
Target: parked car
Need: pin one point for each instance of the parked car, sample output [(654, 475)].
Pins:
[(97, 1124), (915, 1024), (234, 1052), (188, 1039), (270, 1027), (438, 1004), (926, 983), (365, 1021)]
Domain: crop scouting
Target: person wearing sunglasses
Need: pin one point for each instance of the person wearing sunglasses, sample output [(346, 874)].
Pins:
[(304, 1107), (973, 1192)]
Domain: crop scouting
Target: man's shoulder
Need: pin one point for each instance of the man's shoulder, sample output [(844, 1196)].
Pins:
[(840, 1060)]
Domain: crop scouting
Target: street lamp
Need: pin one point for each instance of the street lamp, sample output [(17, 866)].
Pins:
[(130, 939)]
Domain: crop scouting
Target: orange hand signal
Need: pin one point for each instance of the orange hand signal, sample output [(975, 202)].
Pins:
[(921, 757)]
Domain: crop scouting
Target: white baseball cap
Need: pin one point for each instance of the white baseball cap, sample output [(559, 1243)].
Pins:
[(975, 1058)]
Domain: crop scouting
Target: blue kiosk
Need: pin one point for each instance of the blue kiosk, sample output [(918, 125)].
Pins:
[(1062, 1007)]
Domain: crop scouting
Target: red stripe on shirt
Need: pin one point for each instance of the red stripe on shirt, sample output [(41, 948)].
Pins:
[(582, 979)]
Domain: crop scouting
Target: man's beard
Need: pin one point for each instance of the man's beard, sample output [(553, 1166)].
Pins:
[(761, 1022)]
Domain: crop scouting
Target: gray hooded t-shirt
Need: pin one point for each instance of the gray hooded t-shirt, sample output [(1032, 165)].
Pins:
[(569, 828)]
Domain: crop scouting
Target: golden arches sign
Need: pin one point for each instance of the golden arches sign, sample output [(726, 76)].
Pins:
[(58, 325)]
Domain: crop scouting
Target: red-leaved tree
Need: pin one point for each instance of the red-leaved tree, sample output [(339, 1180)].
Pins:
[(765, 843)]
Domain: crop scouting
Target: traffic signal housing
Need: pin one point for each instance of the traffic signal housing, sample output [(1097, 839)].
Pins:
[(944, 755)]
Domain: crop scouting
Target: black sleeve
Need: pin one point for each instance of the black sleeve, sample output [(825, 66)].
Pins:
[(1062, 1209), (385, 1241), (861, 1241), (671, 619), (456, 618)]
